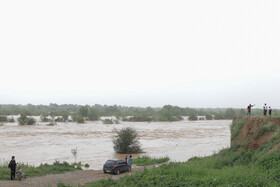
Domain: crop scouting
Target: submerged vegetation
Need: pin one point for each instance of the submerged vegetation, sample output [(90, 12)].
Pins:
[(24, 120), (126, 141)]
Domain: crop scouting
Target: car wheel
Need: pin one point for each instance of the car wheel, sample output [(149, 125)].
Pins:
[(118, 172)]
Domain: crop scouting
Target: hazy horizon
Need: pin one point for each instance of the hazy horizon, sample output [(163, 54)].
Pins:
[(198, 54)]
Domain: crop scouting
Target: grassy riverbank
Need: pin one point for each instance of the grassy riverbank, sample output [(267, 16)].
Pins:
[(227, 168), (252, 160), (44, 169)]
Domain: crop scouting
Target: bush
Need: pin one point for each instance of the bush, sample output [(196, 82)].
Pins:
[(108, 121), (11, 120), (51, 124), (126, 141), (192, 117), (267, 128), (80, 119), (44, 118), (24, 120), (3, 119)]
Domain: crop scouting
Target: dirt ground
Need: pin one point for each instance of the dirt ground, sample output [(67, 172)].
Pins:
[(74, 178)]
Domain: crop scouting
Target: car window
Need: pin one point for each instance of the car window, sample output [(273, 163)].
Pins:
[(110, 162)]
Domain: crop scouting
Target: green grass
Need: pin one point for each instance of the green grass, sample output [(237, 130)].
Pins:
[(226, 168), (237, 124), (44, 169), (267, 128), (146, 160)]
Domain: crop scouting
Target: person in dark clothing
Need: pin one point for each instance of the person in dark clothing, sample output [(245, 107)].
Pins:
[(12, 166), (249, 109), (125, 159), (269, 110)]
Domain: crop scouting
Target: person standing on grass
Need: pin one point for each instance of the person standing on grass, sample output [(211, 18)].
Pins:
[(130, 161), (249, 108), (264, 109), (12, 166), (269, 110)]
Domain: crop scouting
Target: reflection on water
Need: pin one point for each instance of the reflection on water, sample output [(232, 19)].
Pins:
[(44, 144)]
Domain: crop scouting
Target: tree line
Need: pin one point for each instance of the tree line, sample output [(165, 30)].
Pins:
[(80, 113)]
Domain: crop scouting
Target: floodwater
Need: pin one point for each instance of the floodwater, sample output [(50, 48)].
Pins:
[(45, 144)]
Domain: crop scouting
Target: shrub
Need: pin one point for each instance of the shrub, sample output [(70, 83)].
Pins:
[(24, 120), (51, 124), (59, 119), (192, 117), (3, 119), (11, 120), (267, 128), (44, 118), (108, 121), (126, 141), (80, 119)]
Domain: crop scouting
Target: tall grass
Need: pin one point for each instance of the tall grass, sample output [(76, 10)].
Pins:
[(267, 128), (146, 160), (236, 125), (226, 168)]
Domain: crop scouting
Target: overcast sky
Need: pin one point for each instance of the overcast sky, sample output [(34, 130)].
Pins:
[(199, 53)]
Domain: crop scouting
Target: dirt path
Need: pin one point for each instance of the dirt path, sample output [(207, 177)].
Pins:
[(74, 178)]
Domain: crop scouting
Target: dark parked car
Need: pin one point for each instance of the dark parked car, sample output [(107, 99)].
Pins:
[(116, 166)]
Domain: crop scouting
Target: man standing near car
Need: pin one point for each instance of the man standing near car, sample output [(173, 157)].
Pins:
[(12, 166)]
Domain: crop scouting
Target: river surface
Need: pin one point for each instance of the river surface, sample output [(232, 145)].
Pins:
[(44, 144)]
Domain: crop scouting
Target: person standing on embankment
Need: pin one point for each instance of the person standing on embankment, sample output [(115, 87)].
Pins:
[(264, 109), (249, 108), (269, 110), (12, 166)]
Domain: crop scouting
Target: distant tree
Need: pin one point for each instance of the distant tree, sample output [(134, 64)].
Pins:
[(92, 114), (83, 111), (242, 112), (126, 141), (65, 116), (230, 113), (192, 117), (208, 117)]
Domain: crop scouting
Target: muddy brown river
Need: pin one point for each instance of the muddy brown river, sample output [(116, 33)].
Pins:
[(45, 144)]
